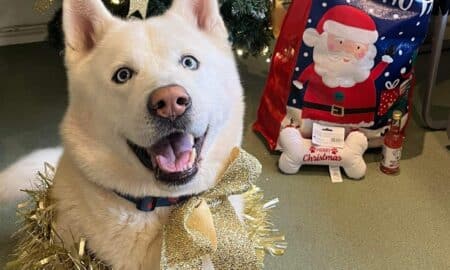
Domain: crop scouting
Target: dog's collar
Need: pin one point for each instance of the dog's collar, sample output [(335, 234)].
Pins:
[(149, 203)]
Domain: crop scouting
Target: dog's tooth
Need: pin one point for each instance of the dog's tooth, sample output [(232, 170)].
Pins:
[(191, 139), (192, 157)]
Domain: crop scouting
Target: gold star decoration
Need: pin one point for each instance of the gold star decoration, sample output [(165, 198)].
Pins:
[(140, 6)]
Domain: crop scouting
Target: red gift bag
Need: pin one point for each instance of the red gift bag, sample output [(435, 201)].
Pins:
[(344, 63)]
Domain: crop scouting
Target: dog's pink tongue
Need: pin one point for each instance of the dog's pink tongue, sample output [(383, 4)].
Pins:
[(173, 153), (179, 164)]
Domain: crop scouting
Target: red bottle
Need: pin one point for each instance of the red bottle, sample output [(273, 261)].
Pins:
[(392, 148)]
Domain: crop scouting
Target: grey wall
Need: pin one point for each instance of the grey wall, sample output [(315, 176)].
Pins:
[(20, 12), (20, 23)]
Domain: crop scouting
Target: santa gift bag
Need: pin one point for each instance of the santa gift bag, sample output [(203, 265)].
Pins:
[(343, 63)]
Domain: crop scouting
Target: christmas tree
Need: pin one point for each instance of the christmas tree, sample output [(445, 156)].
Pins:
[(248, 21)]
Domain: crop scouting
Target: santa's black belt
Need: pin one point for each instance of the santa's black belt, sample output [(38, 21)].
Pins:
[(337, 110)]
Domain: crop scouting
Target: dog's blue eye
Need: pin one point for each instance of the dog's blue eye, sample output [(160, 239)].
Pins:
[(122, 75), (190, 62)]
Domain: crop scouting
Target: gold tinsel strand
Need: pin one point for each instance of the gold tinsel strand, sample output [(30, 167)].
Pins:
[(39, 246), (43, 5), (267, 239)]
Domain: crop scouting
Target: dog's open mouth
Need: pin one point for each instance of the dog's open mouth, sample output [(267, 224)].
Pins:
[(173, 159)]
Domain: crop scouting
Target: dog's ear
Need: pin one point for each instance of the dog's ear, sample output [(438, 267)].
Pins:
[(84, 23), (204, 14)]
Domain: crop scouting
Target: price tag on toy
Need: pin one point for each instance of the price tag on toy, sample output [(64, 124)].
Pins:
[(335, 173), (328, 136)]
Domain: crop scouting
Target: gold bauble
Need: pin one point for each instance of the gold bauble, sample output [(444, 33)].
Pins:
[(279, 11)]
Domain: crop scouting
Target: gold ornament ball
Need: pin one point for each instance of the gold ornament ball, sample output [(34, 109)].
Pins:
[(279, 11)]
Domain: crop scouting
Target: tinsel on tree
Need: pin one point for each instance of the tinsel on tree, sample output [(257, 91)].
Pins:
[(248, 21)]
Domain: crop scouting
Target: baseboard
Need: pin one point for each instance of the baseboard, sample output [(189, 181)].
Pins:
[(22, 34)]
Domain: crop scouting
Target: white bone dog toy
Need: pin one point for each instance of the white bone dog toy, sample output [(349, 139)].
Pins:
[(298, 151)]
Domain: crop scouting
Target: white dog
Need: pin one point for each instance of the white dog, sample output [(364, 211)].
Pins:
[(155, 108)]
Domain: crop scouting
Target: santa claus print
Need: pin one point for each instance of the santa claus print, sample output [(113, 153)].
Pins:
[(340, 83)]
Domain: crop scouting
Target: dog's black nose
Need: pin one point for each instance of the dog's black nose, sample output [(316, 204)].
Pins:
[(169, 102)]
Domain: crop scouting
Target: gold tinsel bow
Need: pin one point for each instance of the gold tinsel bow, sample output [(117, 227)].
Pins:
[(208, 225), (204, 225)]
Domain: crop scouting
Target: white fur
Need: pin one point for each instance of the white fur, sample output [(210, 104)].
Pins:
[(21, 175), (102, 115)]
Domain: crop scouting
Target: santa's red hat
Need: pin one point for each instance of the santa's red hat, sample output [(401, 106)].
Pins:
[(344, 21)]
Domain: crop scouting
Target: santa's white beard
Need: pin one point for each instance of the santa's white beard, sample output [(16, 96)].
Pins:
[(337, 73)]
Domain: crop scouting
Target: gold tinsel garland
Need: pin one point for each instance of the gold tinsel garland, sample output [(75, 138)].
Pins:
[(40, 247)]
